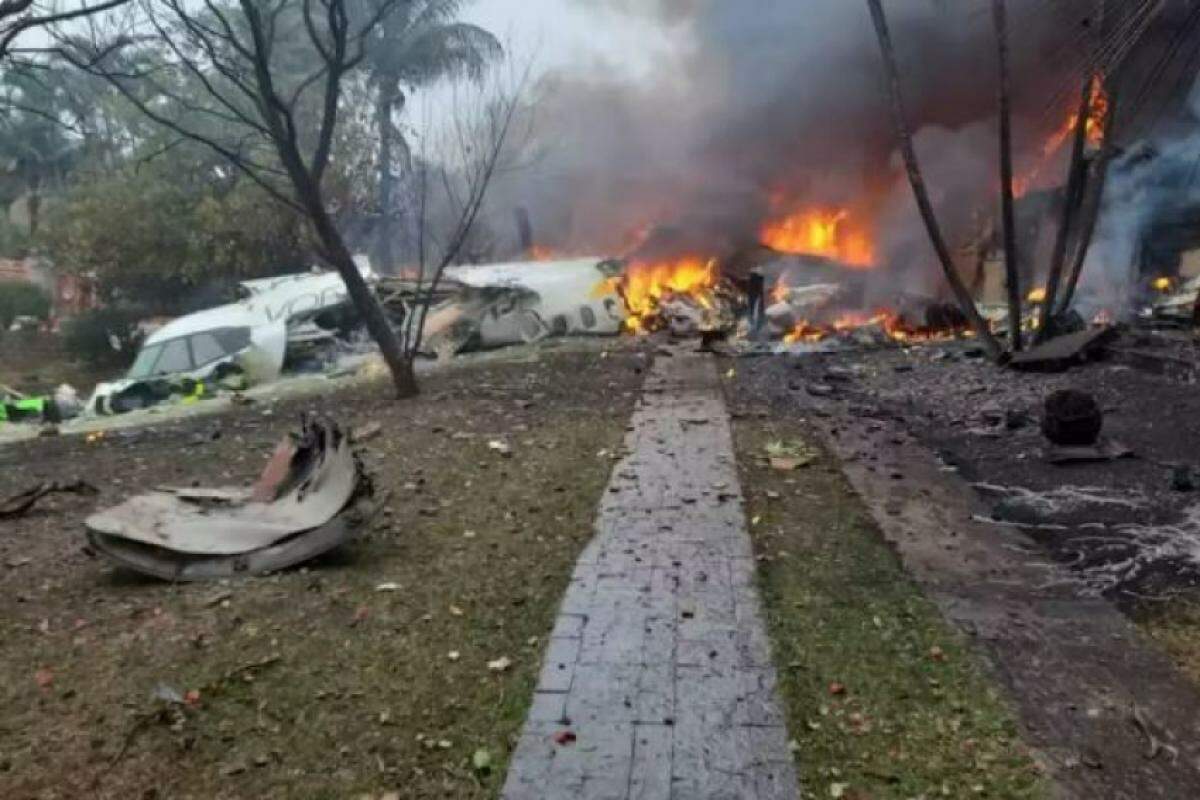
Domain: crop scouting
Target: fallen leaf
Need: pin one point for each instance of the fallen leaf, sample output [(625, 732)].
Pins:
[(453, 655), (44, 678), (366, 432), (455, 611), (167, 694), (837, 689), (500, 664)]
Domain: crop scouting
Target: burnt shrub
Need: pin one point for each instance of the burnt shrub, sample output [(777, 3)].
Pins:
[(104, 337), (22, 300)]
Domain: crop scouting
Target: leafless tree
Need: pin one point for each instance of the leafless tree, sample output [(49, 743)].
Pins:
[(962, 295), (1076, 179), (260, 82), (20, 16), (1008, 216), (485, 136)]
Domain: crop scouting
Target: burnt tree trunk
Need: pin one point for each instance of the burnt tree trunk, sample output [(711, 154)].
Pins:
[(1076, 180), (306, 185), (1012, 267), (387, 97), (965, 301), (1090, 213), (35, 202), (334, 249)]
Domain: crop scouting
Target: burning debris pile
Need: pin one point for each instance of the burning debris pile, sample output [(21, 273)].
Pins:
[(798, 297)]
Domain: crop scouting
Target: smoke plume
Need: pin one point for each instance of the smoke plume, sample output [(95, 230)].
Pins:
[(779, 103)]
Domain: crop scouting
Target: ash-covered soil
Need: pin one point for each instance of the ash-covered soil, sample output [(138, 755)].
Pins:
[(1126, 526)]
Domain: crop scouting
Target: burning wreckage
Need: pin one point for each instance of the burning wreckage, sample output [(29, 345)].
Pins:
[(304, 323)]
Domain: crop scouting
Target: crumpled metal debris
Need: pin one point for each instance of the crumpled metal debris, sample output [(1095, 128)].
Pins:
[(19, 504), (298, 509)]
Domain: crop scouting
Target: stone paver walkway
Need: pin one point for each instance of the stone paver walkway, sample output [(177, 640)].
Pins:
[(659, 662)]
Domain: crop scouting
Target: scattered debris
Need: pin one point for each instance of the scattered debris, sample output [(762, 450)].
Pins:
[(564, 738), (20, 504), (1064, 352), (1103, 450), (1072, 418), (198, 534), (1183, 479), (790, 456), (366, 432), (481, 761), (1156, 745), (500, 664)]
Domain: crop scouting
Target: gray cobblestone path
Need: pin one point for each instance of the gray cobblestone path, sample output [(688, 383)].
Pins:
[(659, 662)]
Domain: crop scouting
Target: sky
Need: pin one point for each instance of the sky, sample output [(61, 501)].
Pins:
[(565, 33)]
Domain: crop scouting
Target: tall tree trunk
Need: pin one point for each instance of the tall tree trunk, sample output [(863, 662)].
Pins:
[(334, 248), (1012, 265), (1093, 203), (386, 96), (34, 202), (1077, 178), (965, 301)]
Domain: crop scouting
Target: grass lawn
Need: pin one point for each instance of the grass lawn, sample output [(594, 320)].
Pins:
[(363, 674), (883, 698)]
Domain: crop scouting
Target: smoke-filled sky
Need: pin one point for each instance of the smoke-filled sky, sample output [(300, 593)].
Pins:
[(711, 116), (700, 111), (573, 32)]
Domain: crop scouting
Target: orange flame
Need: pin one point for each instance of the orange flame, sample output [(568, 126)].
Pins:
[(893, 327), (1094, 130), (645, 284), (540, 252), (820, 232)]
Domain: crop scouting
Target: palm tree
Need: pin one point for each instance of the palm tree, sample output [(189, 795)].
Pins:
[(418, 43), (39, 140)]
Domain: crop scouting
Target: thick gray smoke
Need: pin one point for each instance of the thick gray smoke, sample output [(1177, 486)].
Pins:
[(1156, 180), (783, 101)]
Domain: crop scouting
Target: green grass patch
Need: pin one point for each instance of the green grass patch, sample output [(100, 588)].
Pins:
[(883, 698)]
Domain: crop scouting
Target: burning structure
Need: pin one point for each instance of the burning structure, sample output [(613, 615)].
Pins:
[(770, 141)]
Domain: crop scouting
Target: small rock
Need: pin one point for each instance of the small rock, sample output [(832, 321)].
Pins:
[(1182, 479), (1072, 418)]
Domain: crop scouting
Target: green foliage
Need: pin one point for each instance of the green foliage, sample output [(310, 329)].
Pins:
[(161, 235), (91, 337), (22, 300), (14, 240)]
